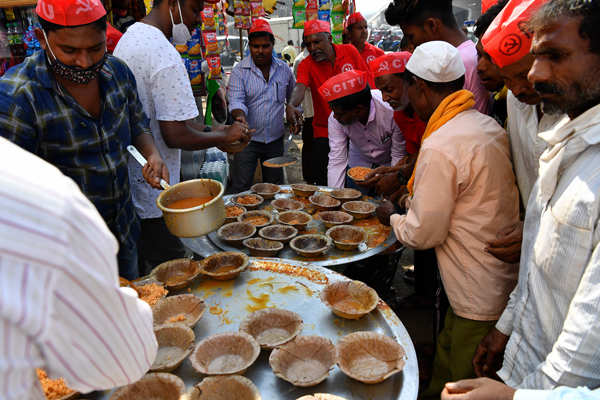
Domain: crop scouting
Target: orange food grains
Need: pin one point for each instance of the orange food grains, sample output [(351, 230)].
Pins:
[(257, 220), (233, 211), (249, 200), (53, 388), (177, 318), (359, 173), (151, 292)]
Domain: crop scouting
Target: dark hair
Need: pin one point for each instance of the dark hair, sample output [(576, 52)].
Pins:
[(415, 12), (484, 22), (256, 35), (47, 27), (291, 42), (557, 10), (287, 57), (349, 102), (438, 87)]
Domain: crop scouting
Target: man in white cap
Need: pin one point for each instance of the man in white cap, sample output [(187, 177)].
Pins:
[(462, 192)]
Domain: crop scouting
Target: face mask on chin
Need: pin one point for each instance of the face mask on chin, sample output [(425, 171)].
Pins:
[(181, 33)]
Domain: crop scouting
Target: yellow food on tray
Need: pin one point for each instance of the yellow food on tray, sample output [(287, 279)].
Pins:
[(54, 389), (359, 173), (151, 292)]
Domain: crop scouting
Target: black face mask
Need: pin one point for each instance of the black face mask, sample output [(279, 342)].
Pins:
[(77, 75)]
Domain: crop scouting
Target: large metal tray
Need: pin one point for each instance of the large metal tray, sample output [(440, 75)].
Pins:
[(211, 243)]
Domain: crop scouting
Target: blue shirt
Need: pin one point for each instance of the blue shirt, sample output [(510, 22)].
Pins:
[(42, 117), (263, 102)]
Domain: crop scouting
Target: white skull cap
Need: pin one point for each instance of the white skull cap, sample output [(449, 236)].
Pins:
[(436, 61)]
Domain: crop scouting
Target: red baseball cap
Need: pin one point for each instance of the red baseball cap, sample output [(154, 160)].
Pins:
[(390, 63), (70, 12), (344, 84), (507, 40), (354, 18), (261, 25), (316, 26)]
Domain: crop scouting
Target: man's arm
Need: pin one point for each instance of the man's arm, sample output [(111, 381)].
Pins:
[(398, 144), (17, 122), (338, 153), (237, 95)]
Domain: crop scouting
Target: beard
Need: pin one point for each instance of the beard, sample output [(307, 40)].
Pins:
[(573, 99)]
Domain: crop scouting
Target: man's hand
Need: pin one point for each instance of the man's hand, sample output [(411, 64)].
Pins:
[(507, 247), (374, 176), (477, 389), (490, 354), (241, 118), (388, 184), (294, 118), (384, 212), (155, 170)]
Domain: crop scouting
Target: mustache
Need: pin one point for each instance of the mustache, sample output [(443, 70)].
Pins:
[(547, 88)]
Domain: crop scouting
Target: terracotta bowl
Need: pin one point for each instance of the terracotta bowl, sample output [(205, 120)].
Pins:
[(250, 201), (265, 190), (272, 327), (359, 209), (310, 245), (324, 202), (185, 309), (349, 299), (357, 173), (236, 232), (225, 354), (225, 388), (369, 357), (304, 361), (287, 205), (321, 396), (297, 219), (233, 218), (334, 218), (175, 343), (161, 386), (346, 237), (224, 266), (346, 194), (281, 233), (258, 218), (176, 274), (303, 190), (260, 247)]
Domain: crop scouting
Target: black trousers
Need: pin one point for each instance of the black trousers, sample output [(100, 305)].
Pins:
[(244, 165), (156, 245), (315, 156)]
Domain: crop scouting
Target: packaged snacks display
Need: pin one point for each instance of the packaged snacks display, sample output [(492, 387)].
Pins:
[(246, 22), (299, 3), (324, 15), (209, 20), (194, 44), (336, 37), (312, 15), (257, 9), (337, 22), (324, 5), (299, 18), (238, 21), (181, 48), (312, 4), (214, 67), (210, 43), (337, 6), (195, 70)]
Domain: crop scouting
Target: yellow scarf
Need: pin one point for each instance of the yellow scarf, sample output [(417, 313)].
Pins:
[(449, 107)]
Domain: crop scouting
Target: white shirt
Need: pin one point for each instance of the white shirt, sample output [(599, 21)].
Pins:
[(526, 146), (553, 316), (307, 103), (165, 92), (61, 307), (561, 393)]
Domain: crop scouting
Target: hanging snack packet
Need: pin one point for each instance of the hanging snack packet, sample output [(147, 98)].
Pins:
[(337, 22), (195, 43), (312, 4), (324, 5), (210, 43), (195, 70), (214, 67), (299, 3), (257, 9), (182, 49), (247, 22), (238, 21), (299, 15), (209, 23), (246, 10), (324, 15), (336, 37), (336, 6), (312, 15)]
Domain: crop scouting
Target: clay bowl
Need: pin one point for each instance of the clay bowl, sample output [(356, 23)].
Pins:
[(349, 299), (150, 290), (305, 361), (334, 218), (265, 190), (311, 245), (324, 202), (225, 354), (161, 386), (357, 173), (346, 194), (346, 237), (359, 209), (233, 218), (258, 218), (260, 247), (297, 219), (175, 343), (224, 266), (281, 233), (369, 357), (185, 309), (303, 190), (250, 201), (176, 274), (272, 327), (225, 388), (287, 205), (236, 232), (321, 396)]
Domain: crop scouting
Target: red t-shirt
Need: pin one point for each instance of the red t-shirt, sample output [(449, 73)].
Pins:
[(314, 74), (412, 129), (371, 52)]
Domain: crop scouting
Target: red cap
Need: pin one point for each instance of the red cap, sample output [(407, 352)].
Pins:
[(507, 40), (390, 63), (354, 18), (316, 26), (344, 84), (260, 25), (70, 12), (485, 4)]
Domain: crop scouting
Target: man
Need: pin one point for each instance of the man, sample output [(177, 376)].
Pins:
[(362, 130), (166, 96), (426, 20), (258, 90), (77, 108), (463, 190), (325, 60), (358, 31), (61, 308), (549, 332), (290, 50)]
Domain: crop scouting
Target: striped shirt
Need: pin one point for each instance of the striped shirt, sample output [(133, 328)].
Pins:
[(263, 102), (553, 315), (61, 307)]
